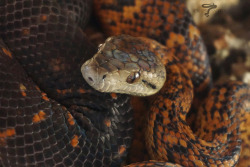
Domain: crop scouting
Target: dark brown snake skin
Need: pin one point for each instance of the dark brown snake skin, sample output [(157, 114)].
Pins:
[(35, 130), (74, 125)]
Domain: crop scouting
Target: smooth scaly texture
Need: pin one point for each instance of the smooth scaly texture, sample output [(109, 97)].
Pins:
[(47, 41)]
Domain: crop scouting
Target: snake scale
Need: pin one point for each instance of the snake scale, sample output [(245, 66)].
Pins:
[(50, 116)]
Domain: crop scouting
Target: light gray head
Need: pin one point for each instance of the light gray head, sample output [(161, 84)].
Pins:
[(124, 64)]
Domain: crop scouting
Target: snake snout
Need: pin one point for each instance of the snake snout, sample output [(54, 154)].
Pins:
[(89, 73)]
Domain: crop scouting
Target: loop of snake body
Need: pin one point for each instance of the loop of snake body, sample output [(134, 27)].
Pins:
[(72, 124)]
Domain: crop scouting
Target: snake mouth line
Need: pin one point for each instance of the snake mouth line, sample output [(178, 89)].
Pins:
[(149, 84)]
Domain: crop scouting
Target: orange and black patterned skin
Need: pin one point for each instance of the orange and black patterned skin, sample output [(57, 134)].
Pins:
[(74, 125), (217, 142)]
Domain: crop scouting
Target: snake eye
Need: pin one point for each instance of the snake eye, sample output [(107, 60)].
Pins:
[(133, 77)]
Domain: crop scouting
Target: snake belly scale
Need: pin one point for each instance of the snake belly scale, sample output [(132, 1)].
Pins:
[(72, 124)]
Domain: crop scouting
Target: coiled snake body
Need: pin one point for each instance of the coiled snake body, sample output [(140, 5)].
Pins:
[(75, 125)]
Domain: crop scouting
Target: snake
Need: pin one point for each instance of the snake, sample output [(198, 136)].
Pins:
[(60, 106)]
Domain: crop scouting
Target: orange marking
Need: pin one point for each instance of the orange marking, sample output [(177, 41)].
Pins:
[(218, 105), (166, 6), (25, 32), (156, 18), (198, 163), (172, 139), (175, 38), (81, 90), (177, 134), (43, 18), (165, 114), (149, 9), (180, 39), (44, 97), (176, 155), (64, 91), (7, 133), (160, 106), (160, 128), (184, 157), (166, 121), (193, 32), (107, 122), (226, 164), (121, 150), (171, 18), (37, 88), (35, 118), (39, 117), (218, 162), (170, 43), (184, 163), (113, 95), (7, 52), (167, 27), (22, 89), (190, 151), (172, 133), (211, 161), (74, 142), (191, 157), (225, 116), (216, 114), (158, 134), (180, 15), (70, 119), (223, 90), (196, 151), (190, 164), (165, 138), (221, 97), (183, 143)]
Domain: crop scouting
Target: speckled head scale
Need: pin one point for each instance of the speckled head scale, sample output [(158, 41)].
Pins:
[(125, 64)]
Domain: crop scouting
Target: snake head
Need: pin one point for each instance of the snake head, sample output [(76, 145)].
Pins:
[(125, 64)]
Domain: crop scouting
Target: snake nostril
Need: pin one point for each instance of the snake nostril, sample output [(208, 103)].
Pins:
[(104, 76), (90, 79)]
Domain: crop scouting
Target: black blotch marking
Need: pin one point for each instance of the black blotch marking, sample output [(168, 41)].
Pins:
[(113, 23), (136, 16), (119, 6)]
